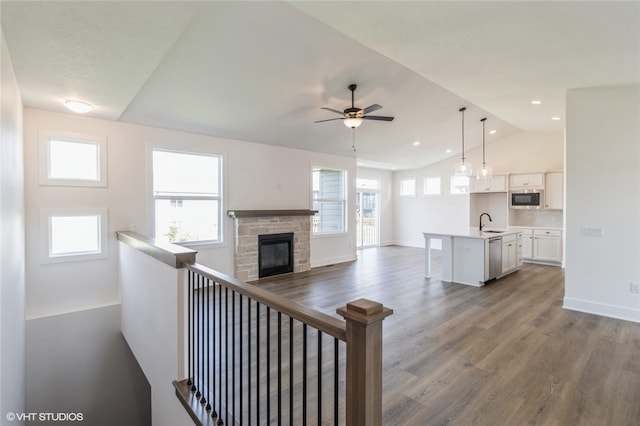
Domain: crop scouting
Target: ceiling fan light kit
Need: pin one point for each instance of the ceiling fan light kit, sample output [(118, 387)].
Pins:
[(463, 168), (352, 123)]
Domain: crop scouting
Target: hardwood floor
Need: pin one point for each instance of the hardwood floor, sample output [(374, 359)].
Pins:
[(503, 354)]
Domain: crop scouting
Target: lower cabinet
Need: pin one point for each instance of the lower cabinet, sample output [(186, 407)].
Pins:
[(542, 245), (547, 245), (509, 253)]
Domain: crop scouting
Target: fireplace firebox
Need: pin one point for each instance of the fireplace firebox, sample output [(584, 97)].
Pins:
[(275, 254)]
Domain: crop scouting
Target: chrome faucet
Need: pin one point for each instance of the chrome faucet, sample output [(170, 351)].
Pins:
[(481, 225)]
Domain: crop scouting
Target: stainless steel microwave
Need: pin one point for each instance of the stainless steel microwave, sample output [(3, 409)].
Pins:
[(526, 200)]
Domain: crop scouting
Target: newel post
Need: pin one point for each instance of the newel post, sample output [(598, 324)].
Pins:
[(364, 361)]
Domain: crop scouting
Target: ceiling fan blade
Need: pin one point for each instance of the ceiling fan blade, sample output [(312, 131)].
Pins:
[(378, 118), (333, 110), (329, 119), (371, 108)]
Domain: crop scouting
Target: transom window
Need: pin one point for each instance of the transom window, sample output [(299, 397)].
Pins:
[(459, 185), (408, 187), (432, 185), (187, 192), (329, 199)]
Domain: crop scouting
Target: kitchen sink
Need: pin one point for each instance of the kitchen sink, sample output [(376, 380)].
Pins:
[(494, 232)]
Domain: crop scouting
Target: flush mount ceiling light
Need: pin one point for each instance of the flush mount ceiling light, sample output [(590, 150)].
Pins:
[(555, 118), (78, 106), (485, 171), (536, 102), (462, 168)]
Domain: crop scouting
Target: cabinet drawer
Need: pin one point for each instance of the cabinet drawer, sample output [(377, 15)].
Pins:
[(509, 238), (547, 232)]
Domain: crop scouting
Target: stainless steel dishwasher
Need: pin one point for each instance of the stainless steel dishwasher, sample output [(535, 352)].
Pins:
[(495, 257)]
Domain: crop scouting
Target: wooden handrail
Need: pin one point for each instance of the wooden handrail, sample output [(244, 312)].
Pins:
[(318, 320)]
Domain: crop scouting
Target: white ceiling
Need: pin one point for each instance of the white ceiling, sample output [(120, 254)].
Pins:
[(260, 71)]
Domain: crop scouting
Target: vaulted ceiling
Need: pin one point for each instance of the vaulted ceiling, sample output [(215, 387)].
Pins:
[(260, 71)]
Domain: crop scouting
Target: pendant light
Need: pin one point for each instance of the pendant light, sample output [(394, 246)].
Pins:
[(463, 168), (485, 171)]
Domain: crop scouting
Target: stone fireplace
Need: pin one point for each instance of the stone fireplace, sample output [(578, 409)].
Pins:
[(251, 224)]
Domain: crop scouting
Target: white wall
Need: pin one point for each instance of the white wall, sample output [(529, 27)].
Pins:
[(255, 177), (152, 310), (385, 201), (522, 152), (12, 255), (603, 191)]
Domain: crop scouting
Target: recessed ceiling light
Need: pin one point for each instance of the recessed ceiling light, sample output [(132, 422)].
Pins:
[(78, 106), (416, 143), (448, 151), (555, 118), (536, 102), (492, 132)]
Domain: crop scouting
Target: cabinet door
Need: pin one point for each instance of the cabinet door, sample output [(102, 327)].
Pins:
[(553, 191), (530, 180), (527, 246), (547, 248), (509, 258), (497, 183)]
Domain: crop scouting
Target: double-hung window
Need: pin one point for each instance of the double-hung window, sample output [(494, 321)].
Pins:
[(330, 200), (187, 193)]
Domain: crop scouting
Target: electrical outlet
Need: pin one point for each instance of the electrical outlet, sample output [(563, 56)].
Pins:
[(635, 287)]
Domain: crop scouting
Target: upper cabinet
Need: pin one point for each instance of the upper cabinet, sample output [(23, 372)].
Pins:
[(497, 183), (526, 181), (553, 199)]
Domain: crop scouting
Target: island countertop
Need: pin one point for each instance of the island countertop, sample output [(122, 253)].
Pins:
[(471, 233)]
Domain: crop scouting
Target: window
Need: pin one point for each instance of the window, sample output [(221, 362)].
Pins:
[(187, 197), (432, 185), (72, 160), (74, 234), (459, 185), (408, 187), (329, 199)]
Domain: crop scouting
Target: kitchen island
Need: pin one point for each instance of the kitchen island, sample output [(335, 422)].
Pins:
[(473, 257)]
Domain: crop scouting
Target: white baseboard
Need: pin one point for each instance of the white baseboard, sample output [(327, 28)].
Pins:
[(611, 311), (332, 261), (408, 244)]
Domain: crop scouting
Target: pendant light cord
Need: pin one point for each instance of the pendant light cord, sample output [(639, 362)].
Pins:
[(462, 111), (483, 157)]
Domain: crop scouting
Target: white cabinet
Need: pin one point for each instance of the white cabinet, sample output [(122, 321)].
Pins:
[(527, 243), (509, 253), (497, 183), (547, 245), (542, 245), (519, 249), (526, 180), (553, 191)]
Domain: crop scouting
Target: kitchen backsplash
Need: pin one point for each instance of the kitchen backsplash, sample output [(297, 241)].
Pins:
[(544, 218)]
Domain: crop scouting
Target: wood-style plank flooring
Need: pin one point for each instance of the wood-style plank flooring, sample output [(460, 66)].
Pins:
[(503, 354)]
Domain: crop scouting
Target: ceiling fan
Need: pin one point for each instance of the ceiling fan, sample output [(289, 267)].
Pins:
[(353, 116)]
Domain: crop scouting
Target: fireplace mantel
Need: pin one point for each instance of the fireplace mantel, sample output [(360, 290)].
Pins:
[(236, 214)]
